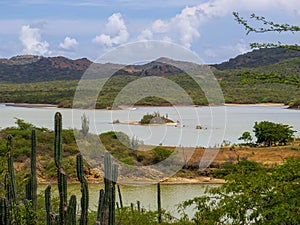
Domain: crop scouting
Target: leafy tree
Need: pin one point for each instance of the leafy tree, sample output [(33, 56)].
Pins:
[(267, 26), (252, 195), (269, 133), (22, 125), (246, 137)]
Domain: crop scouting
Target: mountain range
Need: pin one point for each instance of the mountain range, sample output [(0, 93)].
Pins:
[(31, 68)]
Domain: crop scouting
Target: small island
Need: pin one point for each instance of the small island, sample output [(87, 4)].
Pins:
[(151, 119)]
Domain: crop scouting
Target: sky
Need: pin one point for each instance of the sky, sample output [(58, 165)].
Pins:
[(90, 28)]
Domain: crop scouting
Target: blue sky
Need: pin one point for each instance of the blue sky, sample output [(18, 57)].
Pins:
[(89, 28)]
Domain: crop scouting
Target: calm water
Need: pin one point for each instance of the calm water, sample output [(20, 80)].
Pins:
[(219, 123), (171, 195)]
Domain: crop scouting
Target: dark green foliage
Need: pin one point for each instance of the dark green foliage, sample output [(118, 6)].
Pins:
[(269, 133), (294, 104), (252, 194), (84, 191), (22, 125), (155, 118), (246, 137), (160, 154)]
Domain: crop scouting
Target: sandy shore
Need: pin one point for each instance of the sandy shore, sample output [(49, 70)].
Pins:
[(257, 104), (169, 181), (28, 105), (31, 105)]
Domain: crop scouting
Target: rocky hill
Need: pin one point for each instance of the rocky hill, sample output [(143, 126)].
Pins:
[(29, 68), (257, 58)]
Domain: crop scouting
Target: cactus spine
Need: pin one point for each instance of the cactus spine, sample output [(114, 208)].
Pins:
[(84, 190), (61, 175), (31, 187)]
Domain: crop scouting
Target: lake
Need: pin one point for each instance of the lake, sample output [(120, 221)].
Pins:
[(171, 195), (219, 123)]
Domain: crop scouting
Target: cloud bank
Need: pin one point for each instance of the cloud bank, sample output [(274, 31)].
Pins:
[(32, 41), (115, 32)]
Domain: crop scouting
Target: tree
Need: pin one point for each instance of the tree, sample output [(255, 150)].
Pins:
[(252, 195), (267, 26), (246, 137), (269, 133)]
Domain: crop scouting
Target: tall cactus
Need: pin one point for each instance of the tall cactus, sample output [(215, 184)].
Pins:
[(159, 203), (11, 171), (84, 191), (31, 187), (3, 212), (107, 215), (48, 206), (61, 175), (71, 212), (100, 206)]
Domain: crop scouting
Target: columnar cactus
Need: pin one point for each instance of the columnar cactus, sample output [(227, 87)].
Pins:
[(159, 203), (107, 215), (3, 211), (71, 212), (120, 196), (11, 172), (61, 175), (100, 206), (84, 191), (31, 187), (48, 205)]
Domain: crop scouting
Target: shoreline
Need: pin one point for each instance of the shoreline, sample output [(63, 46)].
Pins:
[(41, 105), (168, 181), (255, 104), (30, 105)]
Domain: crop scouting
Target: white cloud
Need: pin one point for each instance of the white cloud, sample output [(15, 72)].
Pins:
[(227, 50), (69, 43), (185, 27), (32, 41), (115, 32)]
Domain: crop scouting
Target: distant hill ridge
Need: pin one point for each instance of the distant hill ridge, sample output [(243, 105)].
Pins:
[(257, 58), (31, 68)]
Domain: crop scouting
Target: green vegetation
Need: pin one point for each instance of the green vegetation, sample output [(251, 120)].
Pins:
[(155, 118), (273, 81), (269, 133), (253, 194)]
